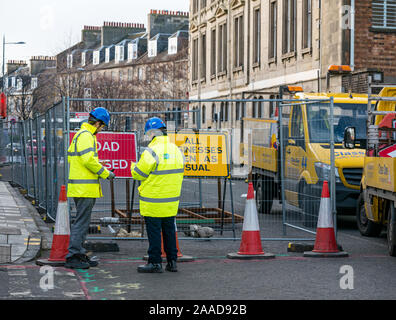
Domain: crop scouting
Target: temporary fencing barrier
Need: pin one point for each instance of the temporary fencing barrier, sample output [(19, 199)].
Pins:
[(219, 163)]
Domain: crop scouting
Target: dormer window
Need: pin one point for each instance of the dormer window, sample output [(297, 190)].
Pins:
[(107, 59), (152, 48), (96, 57), (119, 53), (172, 45), (34, 83), (19, 84), (132, 51), (69, 64)]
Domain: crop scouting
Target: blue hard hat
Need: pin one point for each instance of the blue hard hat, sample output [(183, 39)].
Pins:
[(154, 123), (101, 114)]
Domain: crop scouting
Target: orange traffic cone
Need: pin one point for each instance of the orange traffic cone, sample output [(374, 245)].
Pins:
[(325, 242), (251, 241), (61, 238), (180, 256), (163, 255)]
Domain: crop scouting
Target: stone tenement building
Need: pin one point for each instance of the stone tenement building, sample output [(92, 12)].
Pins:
[(129, 60), (22, 85), (248, 48)]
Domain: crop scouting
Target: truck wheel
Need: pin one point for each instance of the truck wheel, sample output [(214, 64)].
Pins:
[(366, 227), (391, 233), (264, 194), (259, 194)]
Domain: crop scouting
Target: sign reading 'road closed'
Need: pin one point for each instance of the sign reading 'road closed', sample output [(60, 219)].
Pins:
[(205, 153), (118, 149)]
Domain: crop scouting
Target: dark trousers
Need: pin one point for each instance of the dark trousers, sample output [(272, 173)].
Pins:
[(154, 226), (79, 229)]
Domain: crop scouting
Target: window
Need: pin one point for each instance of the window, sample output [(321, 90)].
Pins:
[(19, 84), (222, 48), (289, 26), (213, 53), (140, 73), (273, 30), (203, 56), (260, 110), (194, 61), (307, 24), (254, 108), (203, 114), (384, 14), (69, 61), (256, 36), (297, 127), (34, 83), (238, 42), (237, 111), (213, 112)]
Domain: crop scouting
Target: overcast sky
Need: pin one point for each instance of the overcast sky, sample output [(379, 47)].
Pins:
[(50, 26)]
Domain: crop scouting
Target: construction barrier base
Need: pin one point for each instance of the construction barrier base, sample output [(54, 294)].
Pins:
[(250, 256), (311, 254), (179, 259), (101, 246), (46, 262), (303, 247)]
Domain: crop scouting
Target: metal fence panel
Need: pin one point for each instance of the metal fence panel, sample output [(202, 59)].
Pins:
[(258, 150)]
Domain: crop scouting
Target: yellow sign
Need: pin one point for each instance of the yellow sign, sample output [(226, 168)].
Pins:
[(205, 153)]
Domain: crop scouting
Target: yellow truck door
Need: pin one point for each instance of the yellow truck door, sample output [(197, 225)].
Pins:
[(295, 155)]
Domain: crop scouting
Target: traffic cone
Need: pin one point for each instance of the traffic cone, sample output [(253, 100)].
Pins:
[(61, 237), (325, 242), (250, 247), (180, 256)]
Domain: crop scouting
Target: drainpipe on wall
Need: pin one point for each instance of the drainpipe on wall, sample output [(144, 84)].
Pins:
[(320, 47), (352, 58)]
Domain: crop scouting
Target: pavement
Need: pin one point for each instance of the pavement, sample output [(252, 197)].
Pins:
[(23, 233)]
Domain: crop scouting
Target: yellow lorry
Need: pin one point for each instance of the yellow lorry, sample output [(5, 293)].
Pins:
[(377, 200), (307, 154)]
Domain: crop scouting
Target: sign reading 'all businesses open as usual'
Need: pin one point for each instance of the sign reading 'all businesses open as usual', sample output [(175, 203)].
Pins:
[(206, 153)]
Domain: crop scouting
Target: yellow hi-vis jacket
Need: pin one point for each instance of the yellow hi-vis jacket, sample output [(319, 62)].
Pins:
[(85, 169), (161, 170)]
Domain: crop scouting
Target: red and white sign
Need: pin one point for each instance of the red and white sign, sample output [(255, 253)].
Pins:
[(388, 152), (119, 149)]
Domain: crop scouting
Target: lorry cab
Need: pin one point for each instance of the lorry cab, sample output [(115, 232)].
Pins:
[(307, 151)]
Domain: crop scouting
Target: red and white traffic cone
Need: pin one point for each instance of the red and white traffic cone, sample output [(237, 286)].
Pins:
[(250, 247), (61, 238), (325, 242)]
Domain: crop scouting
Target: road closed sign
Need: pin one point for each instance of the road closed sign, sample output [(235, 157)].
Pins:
[(205, 153), (118, 149)]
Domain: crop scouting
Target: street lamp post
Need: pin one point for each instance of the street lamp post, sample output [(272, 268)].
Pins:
[(3, 67)]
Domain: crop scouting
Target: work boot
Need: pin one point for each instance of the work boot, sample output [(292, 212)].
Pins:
[(150, 268), (75, 262), (91, 261), (171, 266)]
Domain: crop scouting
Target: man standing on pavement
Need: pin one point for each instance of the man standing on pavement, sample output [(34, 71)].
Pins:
[(161, 170), (83, 184)]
